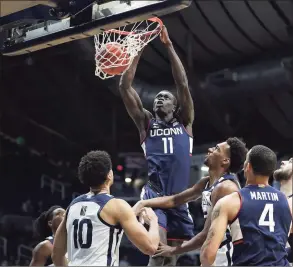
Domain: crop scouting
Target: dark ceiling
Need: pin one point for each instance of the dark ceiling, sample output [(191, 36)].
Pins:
[(57, 88)]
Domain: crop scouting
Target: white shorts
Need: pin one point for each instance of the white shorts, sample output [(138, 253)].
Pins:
[(224, 256)]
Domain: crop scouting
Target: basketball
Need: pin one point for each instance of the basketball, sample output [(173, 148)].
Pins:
[(113, 59)]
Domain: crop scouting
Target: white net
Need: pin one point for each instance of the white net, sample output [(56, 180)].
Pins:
[(115, 49)]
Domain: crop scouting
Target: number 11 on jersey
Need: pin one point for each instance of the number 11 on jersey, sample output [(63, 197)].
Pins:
[(168, 145)]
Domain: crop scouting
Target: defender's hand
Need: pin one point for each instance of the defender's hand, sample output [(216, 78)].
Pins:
[(164, 251), (138, 207), (148, 215), (164, 36)]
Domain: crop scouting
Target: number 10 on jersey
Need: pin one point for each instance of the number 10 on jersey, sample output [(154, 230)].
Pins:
[(168, 145), (79, 227)]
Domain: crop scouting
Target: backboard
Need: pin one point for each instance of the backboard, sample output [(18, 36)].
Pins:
[(36, 25)]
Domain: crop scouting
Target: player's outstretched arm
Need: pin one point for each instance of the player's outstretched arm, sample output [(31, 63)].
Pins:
[(41, 253), (60, 245), (219, 222), (168, 202), (130, 97), (180, 77), (146, 241), (223, 189)]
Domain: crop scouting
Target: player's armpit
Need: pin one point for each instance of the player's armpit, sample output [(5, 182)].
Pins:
[(60, 245), (41, 253), (219, 222), (146, 241)]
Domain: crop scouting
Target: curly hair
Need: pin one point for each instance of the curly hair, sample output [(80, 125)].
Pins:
[(263, 160), (41, 227), (94, 168), (238, 153)]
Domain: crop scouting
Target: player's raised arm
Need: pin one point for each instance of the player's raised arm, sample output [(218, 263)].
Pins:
[(219, 222), (197, 241), (181, 81), (146, 241), (168, 202), (130, 97), (60, 245)]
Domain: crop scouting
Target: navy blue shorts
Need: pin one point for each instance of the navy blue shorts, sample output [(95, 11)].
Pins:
[(177, 222)]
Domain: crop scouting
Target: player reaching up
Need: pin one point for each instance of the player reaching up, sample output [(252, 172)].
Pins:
[(45, 227), (260, 217), (222, 160), (167, 141), (92, 229)]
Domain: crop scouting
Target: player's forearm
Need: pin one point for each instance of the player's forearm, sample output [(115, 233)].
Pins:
[(166, 202), (207, 258), (195, 243), (179, 73), (154, 238), (128, 76), (59, 260), (154, 233)]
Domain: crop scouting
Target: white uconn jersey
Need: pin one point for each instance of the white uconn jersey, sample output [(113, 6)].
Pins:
[(224, 254), (90, 240)]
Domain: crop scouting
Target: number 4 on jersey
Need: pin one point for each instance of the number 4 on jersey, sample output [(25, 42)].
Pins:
[(268, 210)]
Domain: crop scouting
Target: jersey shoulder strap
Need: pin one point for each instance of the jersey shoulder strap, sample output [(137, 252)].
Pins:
[(50, 238)]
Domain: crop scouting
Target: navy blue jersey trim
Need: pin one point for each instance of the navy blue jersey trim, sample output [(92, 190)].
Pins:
[(228, 255), (109, 255), (117, 226), (117, 240)]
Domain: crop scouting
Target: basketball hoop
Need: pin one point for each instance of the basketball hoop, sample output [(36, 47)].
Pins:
[(116, 48)]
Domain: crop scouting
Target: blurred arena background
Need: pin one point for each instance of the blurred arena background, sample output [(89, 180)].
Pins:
[(53, 109)]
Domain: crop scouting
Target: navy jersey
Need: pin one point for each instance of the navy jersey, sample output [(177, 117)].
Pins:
[(261, 228), (168, 148)]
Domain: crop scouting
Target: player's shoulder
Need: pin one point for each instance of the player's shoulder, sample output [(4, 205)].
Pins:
[(100, 199), (44, 247), (231, 203), (225, 187)]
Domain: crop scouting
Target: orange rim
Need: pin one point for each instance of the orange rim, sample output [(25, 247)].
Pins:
[(154, 19)]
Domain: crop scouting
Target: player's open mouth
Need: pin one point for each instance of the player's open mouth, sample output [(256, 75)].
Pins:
[(159, 103)]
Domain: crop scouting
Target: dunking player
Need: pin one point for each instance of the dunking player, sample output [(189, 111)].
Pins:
[(223, 160), (45, 226), (259, 216), (167, 142), (94, 222), (284, 175)]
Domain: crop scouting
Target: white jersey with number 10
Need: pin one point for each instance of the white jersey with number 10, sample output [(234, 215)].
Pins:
[(90, 240)]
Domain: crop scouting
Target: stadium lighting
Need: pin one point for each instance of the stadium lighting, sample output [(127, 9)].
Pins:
[(128, 180)]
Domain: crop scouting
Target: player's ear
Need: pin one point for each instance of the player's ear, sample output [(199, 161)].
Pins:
[(110, 176), (226, 162), (50, 224)]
